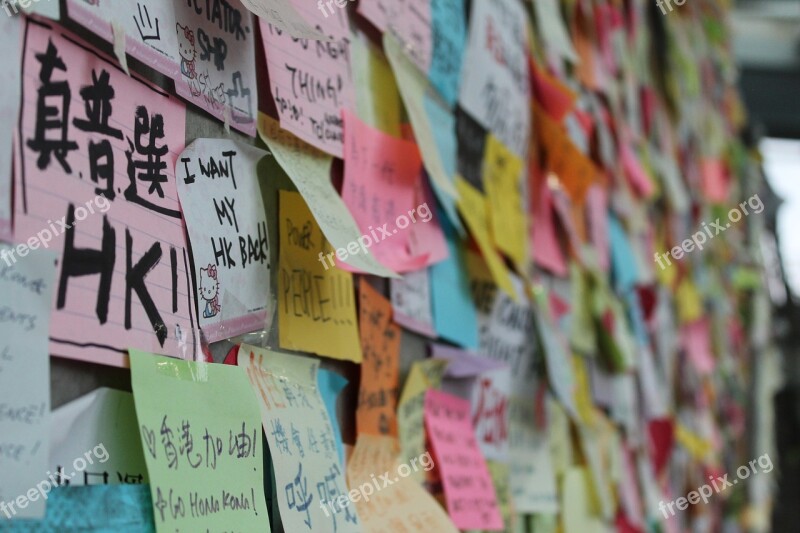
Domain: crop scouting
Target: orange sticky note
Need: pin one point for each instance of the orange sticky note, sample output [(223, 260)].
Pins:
[(380, 370)]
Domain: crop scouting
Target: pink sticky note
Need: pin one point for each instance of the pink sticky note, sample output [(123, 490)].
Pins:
[(597, 211), (375, 11), (696, 340), (637, 177), (95, 181), (545, 247), (381, 177), (468, 489), (311, 81), (715, 180)]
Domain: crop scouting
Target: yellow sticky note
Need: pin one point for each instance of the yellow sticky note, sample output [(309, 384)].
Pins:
[(697, 446), (377, 95), (316, 300), (690, 304), (502, 171), (472, 206), (583, 394), (577, 512)]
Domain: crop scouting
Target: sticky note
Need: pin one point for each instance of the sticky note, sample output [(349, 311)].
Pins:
[(412, 304), (123, 276), (487, 385), (507, 212), (297, 70), (468, 489), (103, 422), (380, 176), (227, 225), (313, 294), (454, 314), (473, 207), (200, 430), (331, 385), (212, 63), (286, 16), (380, 371), (402, 505), (309, 477), (532, 479), (495, 83), (26, 286), (310, 170)]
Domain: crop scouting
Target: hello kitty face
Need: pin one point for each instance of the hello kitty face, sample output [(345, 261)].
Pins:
[(186, 43), (209, 285)]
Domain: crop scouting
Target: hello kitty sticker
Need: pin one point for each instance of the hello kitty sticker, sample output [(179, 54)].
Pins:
[(227, 226), (206, 46)]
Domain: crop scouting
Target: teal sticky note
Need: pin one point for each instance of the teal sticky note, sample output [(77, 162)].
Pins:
[(449, 27), (444, 132), (454, 315), (623, 261), (96, 508), (330, 385)]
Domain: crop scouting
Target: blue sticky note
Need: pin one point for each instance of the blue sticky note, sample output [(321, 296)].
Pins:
[(623, 262), (449, 27), (454, 316), (444, 131), (330, 385), (96, 508)]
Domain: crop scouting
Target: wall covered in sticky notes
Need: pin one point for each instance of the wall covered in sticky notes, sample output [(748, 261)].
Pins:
[(373, 266)]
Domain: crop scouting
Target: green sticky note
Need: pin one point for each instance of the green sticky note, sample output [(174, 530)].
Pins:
[(200, 426)]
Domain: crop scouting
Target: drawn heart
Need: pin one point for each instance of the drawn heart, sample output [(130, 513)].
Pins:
[(149, 440)]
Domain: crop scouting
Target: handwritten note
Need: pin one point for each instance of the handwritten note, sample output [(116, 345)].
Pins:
[(106, 416), (495, 84), (533, 482), (95, 180), (9, 106), (310, 171), (309, 477), (227, 225), (411, 302), (380, 177), (402, 506), (199, 426), (380, 371), (411, 409), (468, 489), (284, 15), (206, 47), (506, 327), (311, 82), (503, 173), (486, 384), (316, 300), (473, 207), (26, 287)]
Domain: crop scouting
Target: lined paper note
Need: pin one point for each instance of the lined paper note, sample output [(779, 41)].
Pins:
[(311, 82), (102, 164)]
